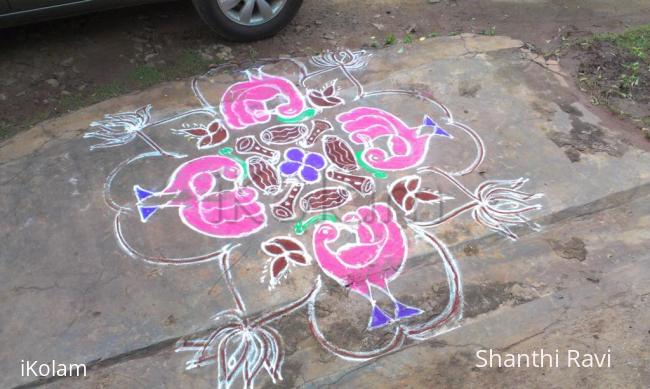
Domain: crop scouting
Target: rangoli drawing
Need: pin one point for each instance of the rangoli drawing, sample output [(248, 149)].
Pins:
[(318, 172)]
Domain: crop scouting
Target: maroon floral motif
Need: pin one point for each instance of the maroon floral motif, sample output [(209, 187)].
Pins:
[(208, 136), (406, 193), (285, 252), (325, 97)]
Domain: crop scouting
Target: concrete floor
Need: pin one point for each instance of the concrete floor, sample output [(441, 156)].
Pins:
[(71, 292)]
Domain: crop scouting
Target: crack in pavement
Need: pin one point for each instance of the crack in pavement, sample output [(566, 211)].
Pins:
[(611, 201), (614, 200)]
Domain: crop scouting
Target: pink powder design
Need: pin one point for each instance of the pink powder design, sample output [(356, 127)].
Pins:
[(247, 103), (207, 208), (407, 147), (375, 259)]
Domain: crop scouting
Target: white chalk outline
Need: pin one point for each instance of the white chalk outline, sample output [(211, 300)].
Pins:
[(496, 204)]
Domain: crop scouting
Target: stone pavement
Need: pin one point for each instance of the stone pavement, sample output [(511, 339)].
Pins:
[(114, 256)]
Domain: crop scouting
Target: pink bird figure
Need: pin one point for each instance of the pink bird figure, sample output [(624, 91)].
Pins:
[(374, 260), (248, 102), (202, 205), (407, 146)]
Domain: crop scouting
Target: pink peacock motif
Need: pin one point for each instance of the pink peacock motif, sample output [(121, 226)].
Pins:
[(202, 204), (407, 146), (371, 262), (249, 102)]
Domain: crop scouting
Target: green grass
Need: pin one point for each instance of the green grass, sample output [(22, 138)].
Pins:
[(146, 75), (630, 78), (408, 39), (108, 91), (93, 95), (624, 76), (492, 31), (390, 40), (636, 40), (142, 76), (190, 63)]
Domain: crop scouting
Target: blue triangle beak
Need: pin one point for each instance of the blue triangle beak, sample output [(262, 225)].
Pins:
[(403, 311), (440, 132), (141, 194), (378, 318), (146, 212), (437, 130)]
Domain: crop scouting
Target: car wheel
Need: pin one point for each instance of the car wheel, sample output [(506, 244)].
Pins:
[(247, 20)]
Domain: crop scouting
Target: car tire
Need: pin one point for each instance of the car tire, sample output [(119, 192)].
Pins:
[(215, 17)]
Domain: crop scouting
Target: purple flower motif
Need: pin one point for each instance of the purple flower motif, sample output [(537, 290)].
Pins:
[(308, 165)]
